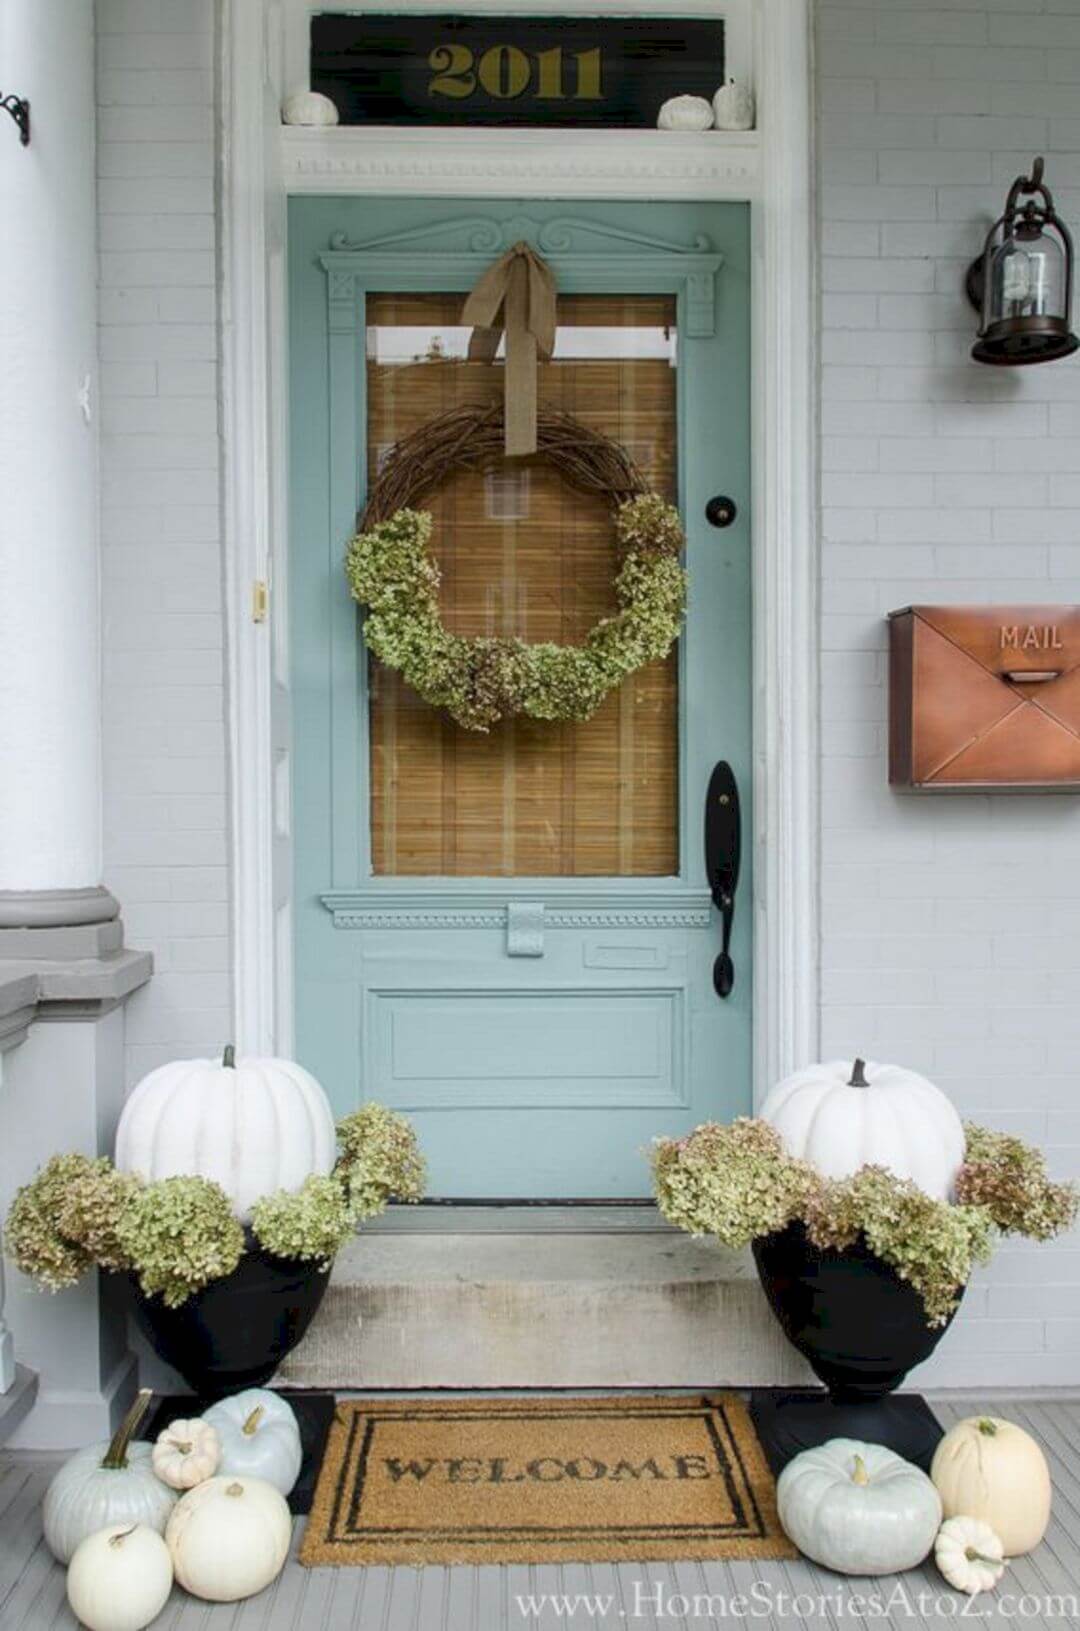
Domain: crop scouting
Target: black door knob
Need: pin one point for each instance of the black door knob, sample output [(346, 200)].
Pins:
[(721, 511)]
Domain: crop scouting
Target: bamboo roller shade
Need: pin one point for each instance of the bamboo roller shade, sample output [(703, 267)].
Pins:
[(522, 554)]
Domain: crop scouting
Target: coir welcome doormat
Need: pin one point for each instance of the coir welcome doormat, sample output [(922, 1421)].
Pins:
[(537, 1480)]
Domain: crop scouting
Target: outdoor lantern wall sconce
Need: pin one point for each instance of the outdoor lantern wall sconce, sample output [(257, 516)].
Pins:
[(19, 108), (1021, 284)]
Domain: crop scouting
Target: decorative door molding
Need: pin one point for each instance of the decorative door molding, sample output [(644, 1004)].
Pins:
[(771, 168)]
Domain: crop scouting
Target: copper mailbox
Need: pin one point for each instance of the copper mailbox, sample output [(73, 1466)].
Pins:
[(984, 696)]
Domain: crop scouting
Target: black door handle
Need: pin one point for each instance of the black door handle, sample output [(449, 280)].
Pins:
[(723, 853)]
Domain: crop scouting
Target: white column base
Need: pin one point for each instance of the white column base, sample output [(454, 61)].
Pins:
[(69, 1419), (7, 1359), (17, 1403)]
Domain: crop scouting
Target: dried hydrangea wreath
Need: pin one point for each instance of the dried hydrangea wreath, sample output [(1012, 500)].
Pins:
[(482, 680)]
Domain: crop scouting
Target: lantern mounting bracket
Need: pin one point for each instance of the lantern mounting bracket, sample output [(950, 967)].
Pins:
[(19, 109)]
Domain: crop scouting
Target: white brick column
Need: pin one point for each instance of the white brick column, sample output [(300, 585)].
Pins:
[(50, 794)]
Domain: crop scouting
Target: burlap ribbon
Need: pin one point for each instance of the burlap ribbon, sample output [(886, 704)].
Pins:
[(516, 295)]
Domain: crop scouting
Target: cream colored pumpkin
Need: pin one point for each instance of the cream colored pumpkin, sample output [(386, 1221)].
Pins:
[(229, 1538), (969, 1555), (991, 1469), (187, 1453), (253, 1127), (120, 1578), (849, 1114)]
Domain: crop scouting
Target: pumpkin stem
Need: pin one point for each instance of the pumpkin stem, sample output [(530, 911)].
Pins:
[(228, 1059), (860, 1475), (115, 1458), (858, 1074), (234, 1489), (987, 1426), (251, 1426), (980, 1557), (122, 1535)]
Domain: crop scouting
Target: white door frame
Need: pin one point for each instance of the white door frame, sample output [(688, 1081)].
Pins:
[(772, 169)]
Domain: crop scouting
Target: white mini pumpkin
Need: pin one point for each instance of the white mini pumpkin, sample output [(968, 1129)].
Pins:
[(849, 1114), (858, 1508), (229, 1538), (733, 106), (309, 108), (991, 1469), (187, 1453), (685, 113), (120, 1578), (260, 1437), (112, 1483), (969, 1555), (253, 1127)]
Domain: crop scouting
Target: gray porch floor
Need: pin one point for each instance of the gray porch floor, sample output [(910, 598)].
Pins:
[(779, 1596)]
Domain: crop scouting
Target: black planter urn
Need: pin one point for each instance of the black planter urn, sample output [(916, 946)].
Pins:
[(236, 1331), (859, 1325)]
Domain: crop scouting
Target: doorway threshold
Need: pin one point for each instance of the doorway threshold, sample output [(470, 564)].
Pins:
[(516, 1217)]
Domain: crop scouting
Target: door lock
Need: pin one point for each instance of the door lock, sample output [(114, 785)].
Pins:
[(721, 511), (723, 853)]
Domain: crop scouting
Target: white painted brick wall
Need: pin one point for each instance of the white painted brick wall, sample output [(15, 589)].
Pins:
[(162, 573), (951, 927)]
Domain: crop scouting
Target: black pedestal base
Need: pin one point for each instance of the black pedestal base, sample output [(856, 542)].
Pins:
[(789, 1422), (314, 1416)]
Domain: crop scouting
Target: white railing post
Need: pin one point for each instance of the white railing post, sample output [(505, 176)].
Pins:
[(7, 1346)]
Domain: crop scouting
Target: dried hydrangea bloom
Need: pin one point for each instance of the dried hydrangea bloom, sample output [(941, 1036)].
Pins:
[(480, 681), (1008, 1178), (310, 1224), (734, 1183), (179, 1234), (929, 1243), (380, 1160), (34, 1235)]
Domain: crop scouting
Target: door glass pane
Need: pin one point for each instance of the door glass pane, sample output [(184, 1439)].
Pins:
[(523, 554)]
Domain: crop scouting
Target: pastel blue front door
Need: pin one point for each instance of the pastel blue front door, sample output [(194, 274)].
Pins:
[(511, 937)]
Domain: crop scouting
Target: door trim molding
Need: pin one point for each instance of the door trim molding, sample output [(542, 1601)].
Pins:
[(259, 168)]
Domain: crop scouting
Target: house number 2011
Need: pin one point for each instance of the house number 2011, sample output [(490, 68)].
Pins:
[(505, 71)]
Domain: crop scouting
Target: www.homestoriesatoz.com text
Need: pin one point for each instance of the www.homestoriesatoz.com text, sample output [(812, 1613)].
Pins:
[(656, 1601)]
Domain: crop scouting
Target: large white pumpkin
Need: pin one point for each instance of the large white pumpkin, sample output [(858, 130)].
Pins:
[(253, 1127), (850, 1114), (858, 1508), (992, 1469), (229, 1538)]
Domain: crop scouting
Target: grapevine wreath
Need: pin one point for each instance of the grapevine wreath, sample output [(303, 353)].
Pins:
[(482, 680)]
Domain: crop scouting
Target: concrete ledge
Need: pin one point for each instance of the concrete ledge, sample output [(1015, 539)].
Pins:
[(17, 1402), (75, 988), (645, 1309)]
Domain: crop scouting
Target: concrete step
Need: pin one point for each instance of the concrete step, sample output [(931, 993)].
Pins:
[(643, 1307)]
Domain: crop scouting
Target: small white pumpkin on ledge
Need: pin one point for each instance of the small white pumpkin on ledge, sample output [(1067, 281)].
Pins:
[(969, 1555), (733, 106), (309, 108), (858, 1508), (685, 113)]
